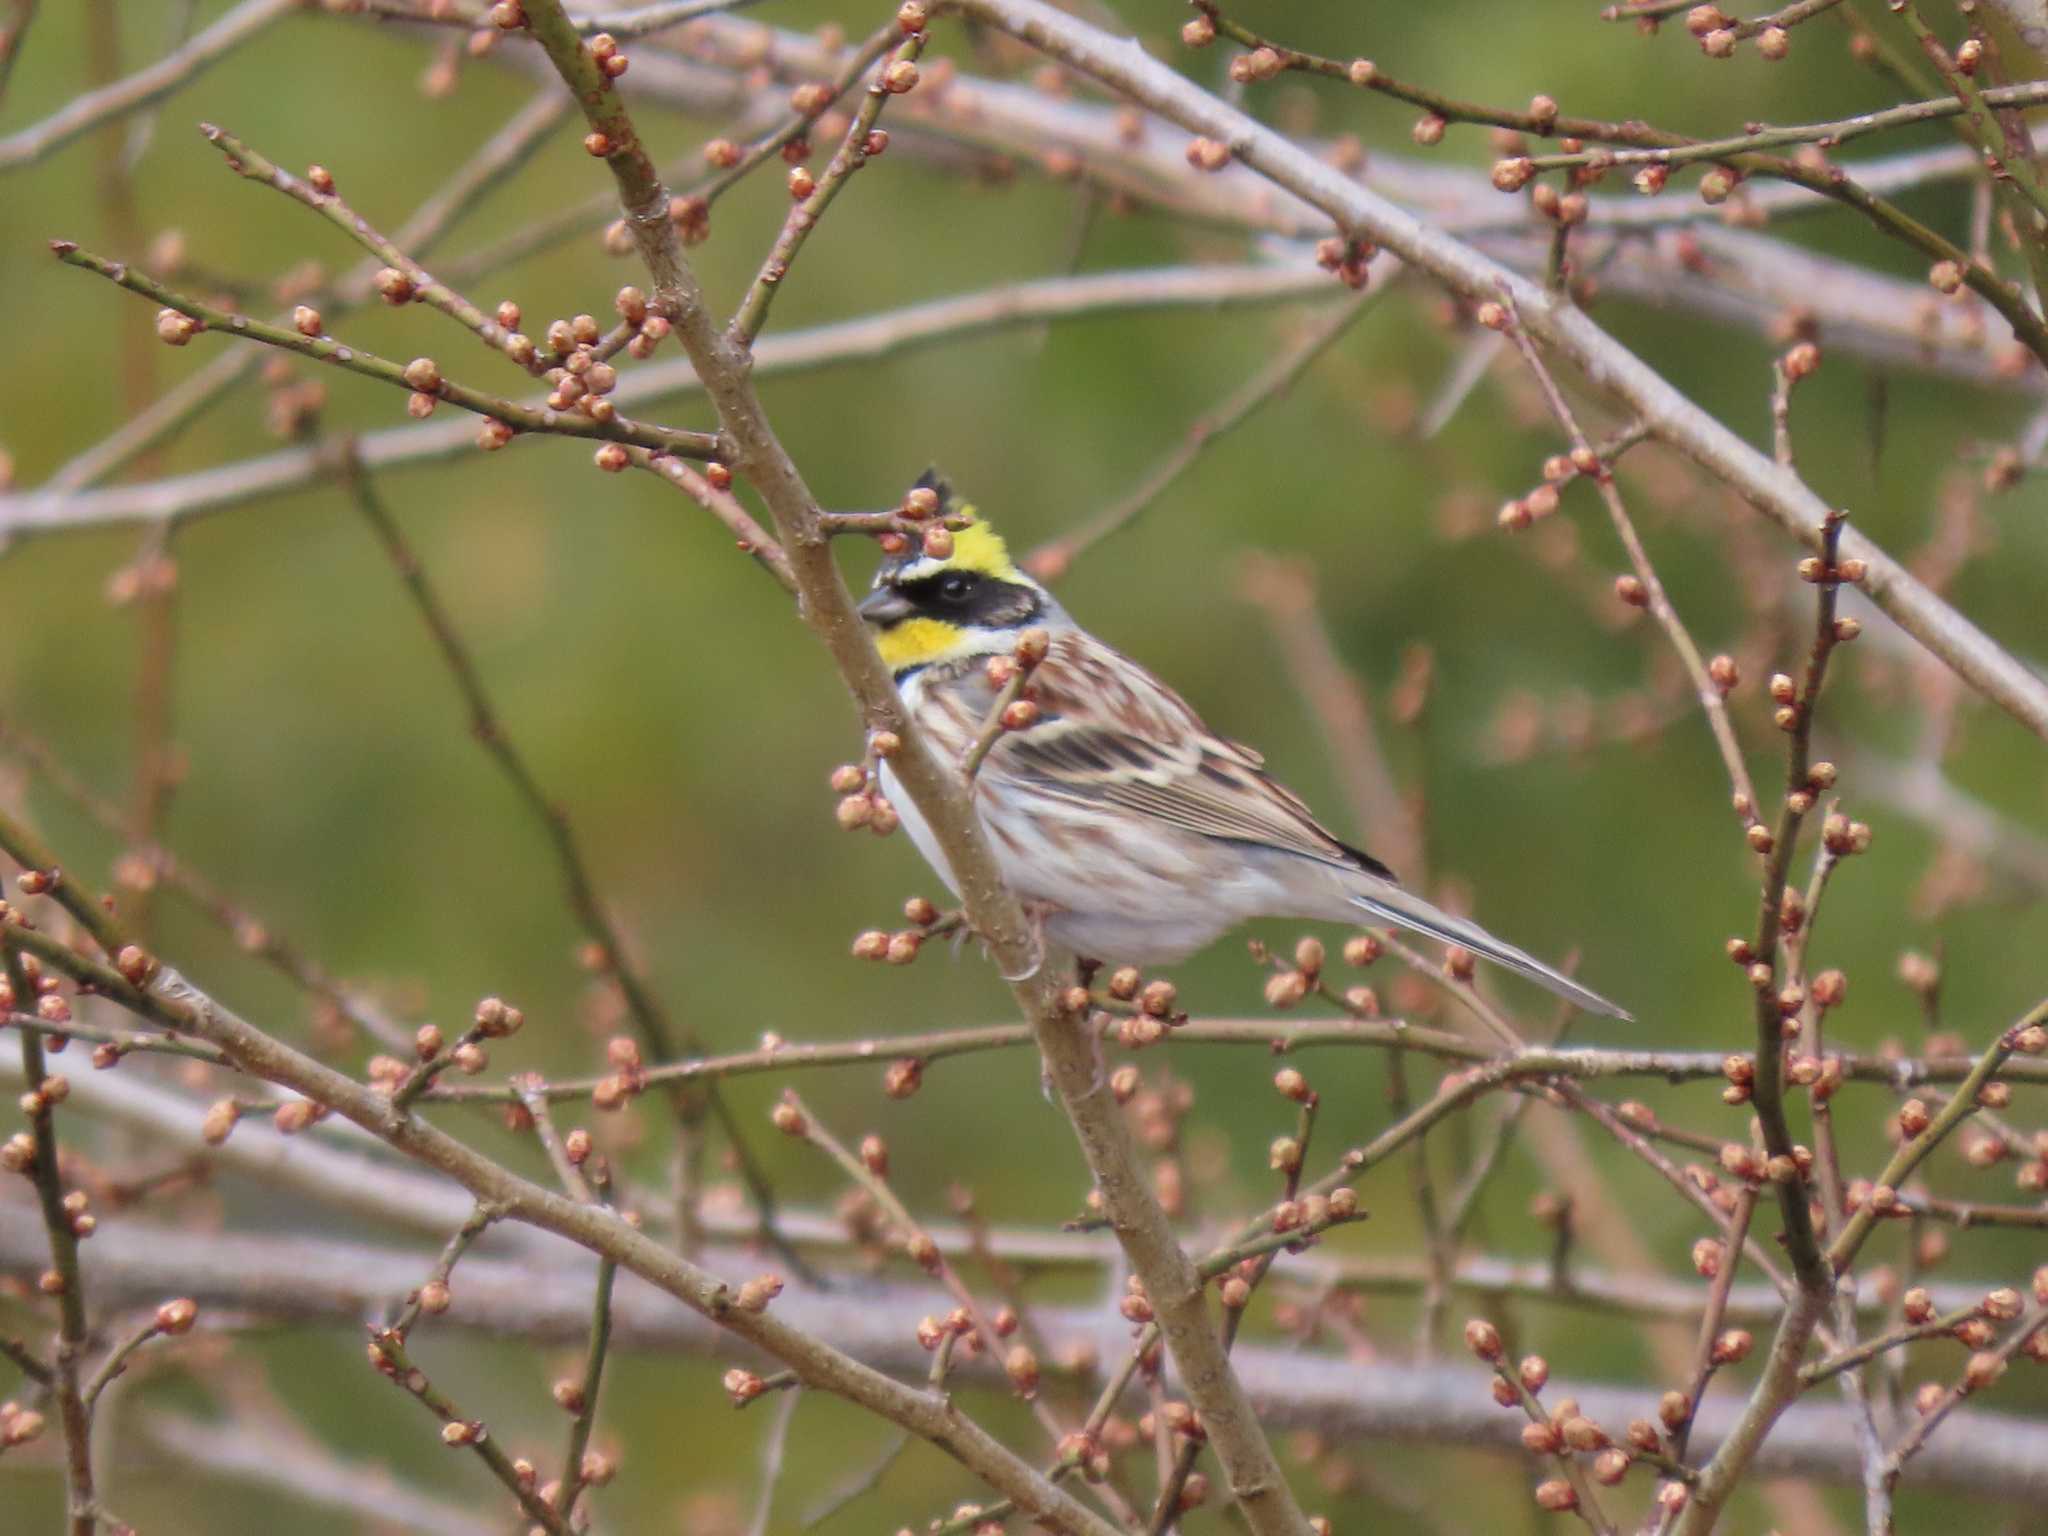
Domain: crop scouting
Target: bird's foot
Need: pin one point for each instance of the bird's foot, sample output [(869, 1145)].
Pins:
[(1035, 914), (1098, 1077)]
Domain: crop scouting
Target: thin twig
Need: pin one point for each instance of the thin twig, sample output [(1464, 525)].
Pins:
[(750, 538), (625, 23), (116, 1362), (1892, 1338), (1988, 1365), (252, 165), (145, 87), (773, 1445), (324, 348), (250, 1450), (180, 406), (254, 935), (1712, 700), (1768, 1087), (854, 153), (567, 1171), (24, 1360), (2017, 172), (1278, 1035), (173, 1002), (992, 727), (1827, 134), (1715, 1313), (46, 877), (690, 1101), (389, 1354), (575, 1467), (1356, 209), (856, 1487), (1962, 1103), (12, 33), (919, 1245), (1054, 558), (1586, 1505), (63, 1278), (459, 1243)]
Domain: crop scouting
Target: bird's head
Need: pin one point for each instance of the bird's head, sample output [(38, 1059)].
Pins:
[(970, 602)]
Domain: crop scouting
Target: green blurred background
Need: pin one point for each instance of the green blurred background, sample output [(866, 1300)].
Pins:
[(664, 695)]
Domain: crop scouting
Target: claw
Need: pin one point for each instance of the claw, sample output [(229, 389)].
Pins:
[(1097, 1080), (1037, 965), (1035, 913)]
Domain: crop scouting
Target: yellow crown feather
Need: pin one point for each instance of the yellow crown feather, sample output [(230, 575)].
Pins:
[(978, 547)]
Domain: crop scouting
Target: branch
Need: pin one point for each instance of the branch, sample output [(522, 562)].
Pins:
[(628, 22), (1827, 181), (1961, 1104), (253, 934), (1671, 417), (868, 1171), (748, 535), (2015, 172), (1892, 1338), (1983, 1369), (1795, 717), (145, 87), (258, 1453), (172, 1317), (62, 1279), (1052, 559), (575, 1466), (585, 905), (253, 165), (179, 406), (390, 1357), (1176, 1292), (12, 32), (544, 1298), (1857, 309), (423, 382), (1829, 134), (174, 1003), (861, 143), (1713, 699), (42, 875)]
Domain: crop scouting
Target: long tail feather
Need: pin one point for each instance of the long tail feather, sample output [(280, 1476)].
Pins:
[(1404, 910)]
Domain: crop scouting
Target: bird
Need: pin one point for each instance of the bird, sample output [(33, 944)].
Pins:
[(1132, 832)]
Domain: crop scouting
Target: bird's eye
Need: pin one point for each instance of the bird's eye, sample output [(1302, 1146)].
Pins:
[(957, 586)]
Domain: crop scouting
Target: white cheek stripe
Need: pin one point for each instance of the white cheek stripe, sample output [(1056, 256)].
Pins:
[(917, 570)]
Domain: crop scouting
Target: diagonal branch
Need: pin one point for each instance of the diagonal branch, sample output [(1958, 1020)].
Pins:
[(148, 85), (172, 1002), (426, 382), (1126, 69), (1176, 1291), (689, 1100)]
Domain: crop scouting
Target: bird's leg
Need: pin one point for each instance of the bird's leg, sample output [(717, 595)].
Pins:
[(1084, 971), (1097, 1080)]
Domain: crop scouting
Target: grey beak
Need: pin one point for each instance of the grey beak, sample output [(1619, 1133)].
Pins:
[(885, 606)]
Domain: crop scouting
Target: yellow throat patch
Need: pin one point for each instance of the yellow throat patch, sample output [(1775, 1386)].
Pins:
[(919, 643)]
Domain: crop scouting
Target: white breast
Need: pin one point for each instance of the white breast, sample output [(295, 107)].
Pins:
[(914, 824)]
